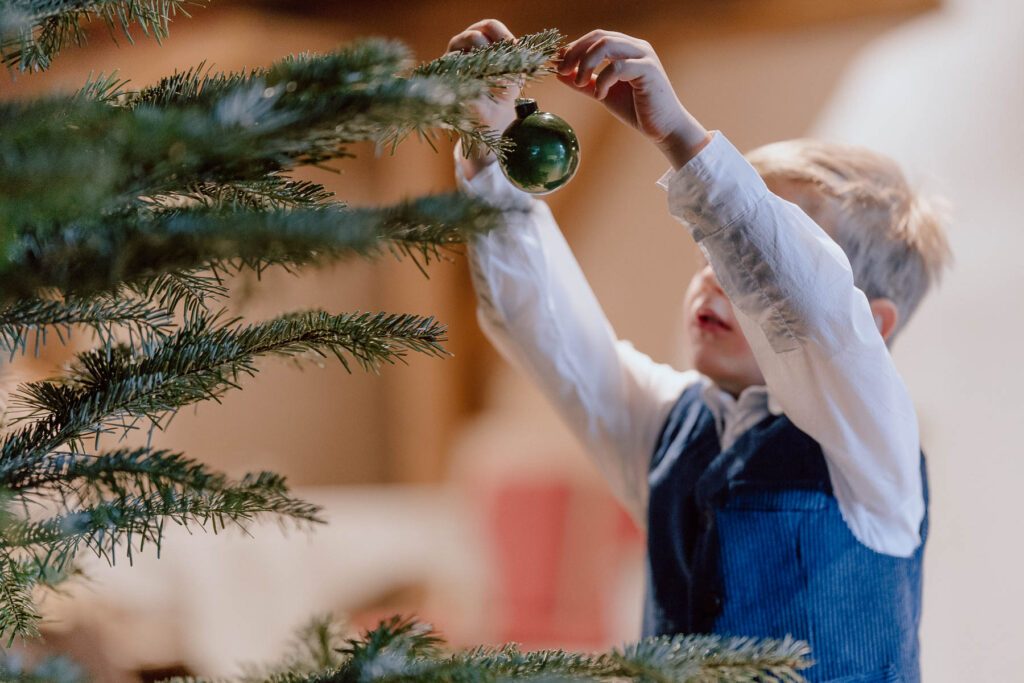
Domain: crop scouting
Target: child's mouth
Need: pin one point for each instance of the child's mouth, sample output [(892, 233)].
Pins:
[(707, 320)]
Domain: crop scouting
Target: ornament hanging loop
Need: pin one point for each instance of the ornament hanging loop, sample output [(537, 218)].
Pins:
[(525, 106)]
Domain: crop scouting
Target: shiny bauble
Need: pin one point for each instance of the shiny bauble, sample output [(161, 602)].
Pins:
[(543, 153)]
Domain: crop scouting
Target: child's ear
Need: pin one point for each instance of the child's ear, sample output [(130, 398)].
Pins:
[(886, 316)]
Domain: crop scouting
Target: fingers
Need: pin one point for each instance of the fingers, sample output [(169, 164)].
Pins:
[(588, 52), (480, 34), (600, 50), (467, 40), (619, 71), (493, 29), (572, 52)]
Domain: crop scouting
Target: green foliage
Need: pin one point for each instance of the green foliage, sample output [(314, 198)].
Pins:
[(122, 211), (402, 649), (201, 360), (101, 255), (105, 315), (18, 613), (32, 32), (495, 64), (494, 67), (105, 172), (194, 127)]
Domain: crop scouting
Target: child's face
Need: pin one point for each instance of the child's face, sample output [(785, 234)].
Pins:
[(717, 346)]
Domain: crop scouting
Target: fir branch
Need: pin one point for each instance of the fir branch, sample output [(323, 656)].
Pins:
[(117, 474), (493, 66), (140, 246), (711, 658), (192, 289), (65, 158), (501, 663), (319, 120), (78, 157), (401, 650), (127, 524), (32, 32), (363, 63), (108, 389), (104, 315), (106, 89), (223, 127), (384, 655), (117, 501), (18, 614), (420, 228), (59, 166), (272, 192), (401, 634), (332, 99), (496, 63), (349, 95), (187, 87)]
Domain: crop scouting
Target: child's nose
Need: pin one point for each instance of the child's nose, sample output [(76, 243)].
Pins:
[(709, 280)]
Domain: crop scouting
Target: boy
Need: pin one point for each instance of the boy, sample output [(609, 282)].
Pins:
[(781, 479)]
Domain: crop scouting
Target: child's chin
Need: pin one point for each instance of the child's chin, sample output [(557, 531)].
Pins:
[(713, 367), (707, 363), (730, 373)]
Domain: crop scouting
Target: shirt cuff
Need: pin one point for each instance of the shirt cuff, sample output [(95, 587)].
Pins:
[(490, 185), (714, 189)]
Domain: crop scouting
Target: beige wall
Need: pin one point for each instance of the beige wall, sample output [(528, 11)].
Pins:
[(943, 95)]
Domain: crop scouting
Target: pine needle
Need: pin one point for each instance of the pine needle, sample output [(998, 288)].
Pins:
[(494, 64), (107, 389), (26, 319), (402, 650), (18, 614), (33, 32), (153, 244)]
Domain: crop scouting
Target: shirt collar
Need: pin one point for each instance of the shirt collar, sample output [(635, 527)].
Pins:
[(754, 398)]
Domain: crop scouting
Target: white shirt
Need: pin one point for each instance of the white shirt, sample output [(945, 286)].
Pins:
[(811, 331)]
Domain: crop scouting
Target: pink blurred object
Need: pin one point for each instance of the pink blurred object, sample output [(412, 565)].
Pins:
[(558, 547)]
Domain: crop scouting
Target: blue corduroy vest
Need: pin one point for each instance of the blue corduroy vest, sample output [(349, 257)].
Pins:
[(751, 542)]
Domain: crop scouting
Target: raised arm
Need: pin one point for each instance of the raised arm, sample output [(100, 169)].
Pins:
[(536, 307), (538, 310), (814, 338), (810, 329)]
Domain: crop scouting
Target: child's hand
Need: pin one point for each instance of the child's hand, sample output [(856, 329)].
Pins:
[(494, 113), (635, 89)]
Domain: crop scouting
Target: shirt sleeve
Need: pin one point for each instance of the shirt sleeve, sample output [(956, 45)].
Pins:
[(537, 308), (814, 338)]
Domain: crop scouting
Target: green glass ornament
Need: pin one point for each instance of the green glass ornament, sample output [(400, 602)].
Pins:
[(544, 153)]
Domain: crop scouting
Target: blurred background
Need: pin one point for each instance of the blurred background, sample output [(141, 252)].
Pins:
[(452, 492)]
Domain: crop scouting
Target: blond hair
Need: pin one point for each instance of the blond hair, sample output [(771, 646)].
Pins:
[(894, 238)]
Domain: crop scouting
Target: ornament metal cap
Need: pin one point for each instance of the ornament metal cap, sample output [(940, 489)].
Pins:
[(525, 106)]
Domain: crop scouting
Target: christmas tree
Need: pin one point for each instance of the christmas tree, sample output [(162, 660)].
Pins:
[(122, 211)]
